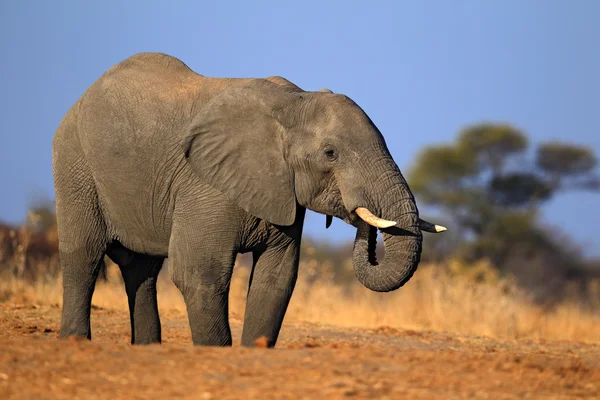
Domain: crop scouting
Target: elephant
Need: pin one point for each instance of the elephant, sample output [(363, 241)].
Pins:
[(155, 161)]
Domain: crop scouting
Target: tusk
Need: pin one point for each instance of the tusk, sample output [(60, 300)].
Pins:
[(429, 227), (328, 221), (372, 220)]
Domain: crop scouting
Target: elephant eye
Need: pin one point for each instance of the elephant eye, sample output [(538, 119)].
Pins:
[(331, 153)]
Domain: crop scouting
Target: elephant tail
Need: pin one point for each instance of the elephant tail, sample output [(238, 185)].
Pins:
[(102, 275)]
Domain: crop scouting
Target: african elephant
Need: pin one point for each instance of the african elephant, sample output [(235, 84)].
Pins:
[(155, 161)]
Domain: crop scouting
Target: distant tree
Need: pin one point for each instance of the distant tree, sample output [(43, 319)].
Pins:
[(490, 186), (567, 166), (41, 217)]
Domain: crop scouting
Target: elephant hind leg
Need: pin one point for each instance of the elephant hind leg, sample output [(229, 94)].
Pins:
[(140, 273), (82, 238)]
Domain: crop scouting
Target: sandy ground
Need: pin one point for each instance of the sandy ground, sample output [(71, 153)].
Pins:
[(310, 361)]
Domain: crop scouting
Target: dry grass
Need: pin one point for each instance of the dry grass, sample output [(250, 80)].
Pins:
[(467, 299), (475, 303)]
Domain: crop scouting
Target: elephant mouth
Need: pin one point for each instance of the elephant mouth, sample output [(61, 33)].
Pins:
[(348, 217)]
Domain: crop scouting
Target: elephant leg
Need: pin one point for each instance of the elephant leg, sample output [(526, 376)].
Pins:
[(201, 266), (82, 243), (272, 282), (80, 271), (140, 273), (205, 290)]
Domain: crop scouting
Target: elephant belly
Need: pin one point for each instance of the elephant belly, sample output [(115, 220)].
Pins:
[(136, 200), (135, 221)]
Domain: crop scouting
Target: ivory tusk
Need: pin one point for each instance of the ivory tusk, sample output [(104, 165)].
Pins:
[(372, 220), (429, 227)]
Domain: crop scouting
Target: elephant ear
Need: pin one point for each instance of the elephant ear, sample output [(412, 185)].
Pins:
[(237, 144)]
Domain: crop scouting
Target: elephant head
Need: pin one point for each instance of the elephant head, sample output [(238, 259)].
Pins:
[(270, 148)]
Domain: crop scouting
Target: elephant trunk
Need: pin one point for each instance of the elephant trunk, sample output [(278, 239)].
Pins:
[(402, 242)]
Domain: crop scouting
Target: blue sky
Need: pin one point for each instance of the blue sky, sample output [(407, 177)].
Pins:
[(421, 70)]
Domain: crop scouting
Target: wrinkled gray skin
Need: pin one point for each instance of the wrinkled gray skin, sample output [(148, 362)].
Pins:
[(155, 160)]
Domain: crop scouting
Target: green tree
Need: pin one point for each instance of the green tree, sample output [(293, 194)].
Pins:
[(41, 216), (490, 185)]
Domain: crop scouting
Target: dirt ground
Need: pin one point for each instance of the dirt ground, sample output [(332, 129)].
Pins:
[(309, 361)]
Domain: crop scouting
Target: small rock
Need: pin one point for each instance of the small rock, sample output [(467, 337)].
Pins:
[(3, 376), (262, 342)]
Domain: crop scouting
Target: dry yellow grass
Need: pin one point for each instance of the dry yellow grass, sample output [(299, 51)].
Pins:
[(475, 303)]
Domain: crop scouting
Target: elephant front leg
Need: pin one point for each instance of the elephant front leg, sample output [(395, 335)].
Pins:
[(271, 285), (205, 290), (202, 252)]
